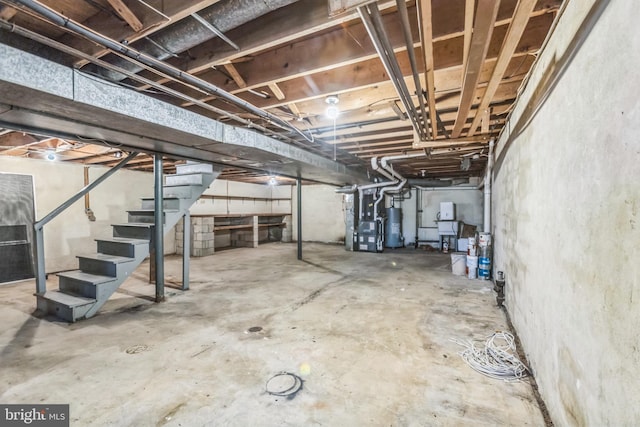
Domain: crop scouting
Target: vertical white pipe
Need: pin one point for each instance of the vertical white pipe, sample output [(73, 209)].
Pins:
[(487, 190)]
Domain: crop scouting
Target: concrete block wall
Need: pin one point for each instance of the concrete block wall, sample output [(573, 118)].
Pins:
[(202, 236), (566, 217)]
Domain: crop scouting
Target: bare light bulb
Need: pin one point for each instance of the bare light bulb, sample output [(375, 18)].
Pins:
[(332, 112)]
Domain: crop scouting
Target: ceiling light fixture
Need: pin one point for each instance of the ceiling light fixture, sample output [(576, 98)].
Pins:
[(333, 111), (273, 181), (51, 156)]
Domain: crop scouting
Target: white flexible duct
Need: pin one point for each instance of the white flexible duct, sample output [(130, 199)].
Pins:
[(382, 193), (383, 172), (487, 190), (384, 163)]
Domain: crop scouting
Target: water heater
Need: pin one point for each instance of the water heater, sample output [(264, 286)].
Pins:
[(393, 231)]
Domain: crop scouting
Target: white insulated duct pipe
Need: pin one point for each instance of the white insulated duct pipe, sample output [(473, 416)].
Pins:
[(487, 190), (384, 163), (383, 172), (382, 193)]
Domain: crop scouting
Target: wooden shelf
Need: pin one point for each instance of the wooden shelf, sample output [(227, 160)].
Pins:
[(232, 227), (278, 224), (261, 199), (238, 215)]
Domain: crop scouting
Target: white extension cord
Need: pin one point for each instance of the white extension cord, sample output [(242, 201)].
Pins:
[(497, 359)]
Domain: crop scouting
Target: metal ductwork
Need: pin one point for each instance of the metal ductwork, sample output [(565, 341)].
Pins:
[(423, 182), (189, 32)]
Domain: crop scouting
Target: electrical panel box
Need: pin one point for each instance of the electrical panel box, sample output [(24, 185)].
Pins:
[(447, 211)]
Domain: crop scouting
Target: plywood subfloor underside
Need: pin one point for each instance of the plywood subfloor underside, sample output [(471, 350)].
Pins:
[(373, 330)]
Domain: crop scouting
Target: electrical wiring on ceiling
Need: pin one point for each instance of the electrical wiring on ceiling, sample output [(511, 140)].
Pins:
[(496, 358)]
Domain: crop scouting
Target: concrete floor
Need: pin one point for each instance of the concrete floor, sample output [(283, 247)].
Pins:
[(368, 333)]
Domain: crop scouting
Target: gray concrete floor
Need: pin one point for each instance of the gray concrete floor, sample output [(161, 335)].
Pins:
[(368, 333)]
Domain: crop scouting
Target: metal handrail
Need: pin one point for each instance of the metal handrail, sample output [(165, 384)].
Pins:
[(38, 226)]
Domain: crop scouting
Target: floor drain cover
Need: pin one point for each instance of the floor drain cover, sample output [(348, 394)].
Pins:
[(284, 384), (255, 329)]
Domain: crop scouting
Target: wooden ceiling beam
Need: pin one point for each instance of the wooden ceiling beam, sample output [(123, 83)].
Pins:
[(426, 37), (285, 25), (110, 26), (469, 9), (17, 139), (514, 33), (341, 46), (7, 12), (485, 19), (371, 72), (235, 75), (126, 14), (277, 92), (445, 143)]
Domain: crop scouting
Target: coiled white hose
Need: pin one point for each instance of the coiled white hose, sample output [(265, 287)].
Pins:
[(496, 359)]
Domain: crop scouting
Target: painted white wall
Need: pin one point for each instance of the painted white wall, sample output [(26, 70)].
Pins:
[(322, 214), (223, 206), (72, 233), (566, 219), (469, 209)]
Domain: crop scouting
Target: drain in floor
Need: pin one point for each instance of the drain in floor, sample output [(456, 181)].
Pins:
[(255, 329)]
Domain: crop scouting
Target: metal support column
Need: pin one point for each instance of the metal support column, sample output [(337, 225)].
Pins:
[(186, 249), (299, 187), (159, 226), (41, 274)]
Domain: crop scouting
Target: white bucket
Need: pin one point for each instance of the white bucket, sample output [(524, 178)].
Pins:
[(458, 266), (472, 249), (484, 239), (472, 261), (472, 267)]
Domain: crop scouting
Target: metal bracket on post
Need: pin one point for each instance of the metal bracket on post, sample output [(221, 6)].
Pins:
[(159, 226), (186, 249)]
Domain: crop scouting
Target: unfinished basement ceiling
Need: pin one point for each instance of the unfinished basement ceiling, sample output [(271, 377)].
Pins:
[(287, 57)]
